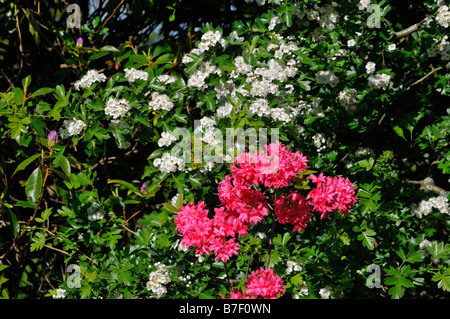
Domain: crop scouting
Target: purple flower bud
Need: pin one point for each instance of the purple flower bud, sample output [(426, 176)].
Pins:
[(143, 187), (52, 136), (79, 42)]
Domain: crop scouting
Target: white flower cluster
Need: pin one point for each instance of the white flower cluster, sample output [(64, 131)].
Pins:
[(347, 98), (157, 279), (198, 77), (327, 16), (364, 4), (207, 131), (224, 110), (177, 245), (260, 107), (95, 212), (379, 81), (425, 207), (282, 48), (302, 292), (208, 40), (117, 107), (327, 77), (166, 78), (313, 108), (71, 127), (241, 66), (186, 279), (134, 74), (166, 139), (443, 16), (319, 141), (273, 22), (169, 163), (160, 101), (441, 47), (325, 293), (370, 67), (279, 114), (89, 79), (293, 266)]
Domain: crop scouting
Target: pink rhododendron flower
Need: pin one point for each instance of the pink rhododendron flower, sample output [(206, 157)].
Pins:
[(277, 167), (245, 204), (193, 223), (264, 283), (332, 194), (293, 209)]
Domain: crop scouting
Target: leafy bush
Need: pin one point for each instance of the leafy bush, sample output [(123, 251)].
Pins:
[(97, 175)]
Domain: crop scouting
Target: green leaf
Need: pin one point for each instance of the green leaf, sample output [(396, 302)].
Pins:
[(399, 131), (41, 91), (33, 187), (109, 48), (128, 185), (25, 163), (444, 279), (13, 222), (98, 55), (26, 82), (367, 239), (38, 242), (65, 165), (399, 282), (439, 250)]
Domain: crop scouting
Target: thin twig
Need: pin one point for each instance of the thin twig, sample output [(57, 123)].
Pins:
[(56, 249), (426, 75), (112, 14)]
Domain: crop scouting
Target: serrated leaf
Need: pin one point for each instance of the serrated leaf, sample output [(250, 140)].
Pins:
[(444, 279), (367, 239)]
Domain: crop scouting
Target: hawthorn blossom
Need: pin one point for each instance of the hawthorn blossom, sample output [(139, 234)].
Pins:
[(133, 74), (117, 107), (89, 79)]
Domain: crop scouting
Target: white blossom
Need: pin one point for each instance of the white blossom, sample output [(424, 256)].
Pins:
[(379, 81), (160, 101), (60, 293), (134, 74), (370, 67), (443, 16), (89, 79), (71, 127), (166, 139), (117, 107), (327, 77)]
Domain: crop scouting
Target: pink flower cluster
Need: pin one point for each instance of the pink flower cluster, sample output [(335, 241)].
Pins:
[(332, 194), (244, 203), (262, 283)]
